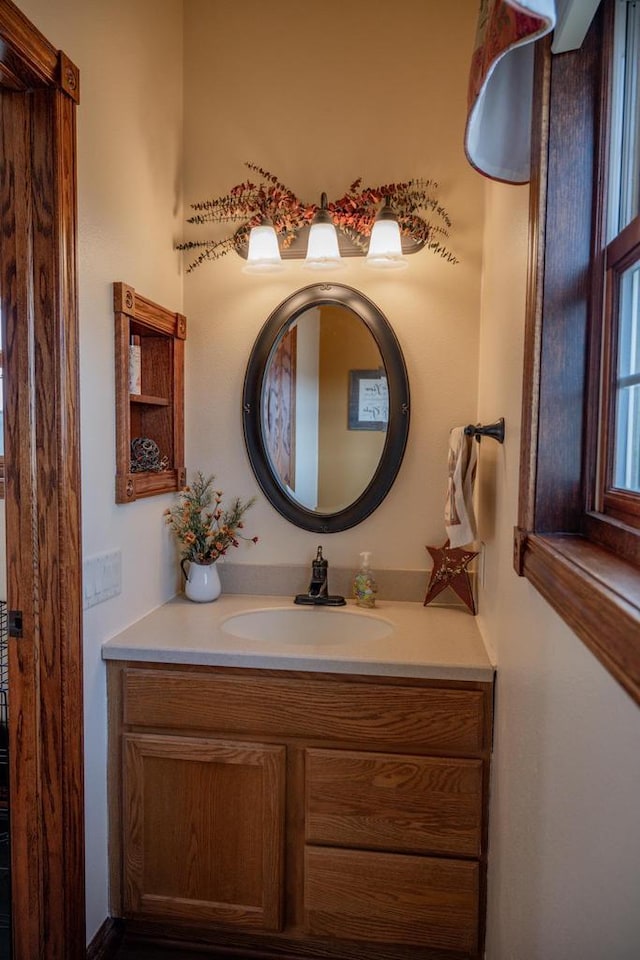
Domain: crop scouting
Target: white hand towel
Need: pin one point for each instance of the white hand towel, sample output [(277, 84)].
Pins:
[(459, 516)]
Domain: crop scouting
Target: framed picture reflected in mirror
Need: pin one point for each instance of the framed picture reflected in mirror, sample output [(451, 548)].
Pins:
[(368, 399)]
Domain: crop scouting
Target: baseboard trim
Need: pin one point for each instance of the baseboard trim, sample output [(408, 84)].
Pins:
[(104, 945), (185, 941)]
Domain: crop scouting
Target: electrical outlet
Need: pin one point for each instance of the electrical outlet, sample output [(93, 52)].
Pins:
[(102, 577)]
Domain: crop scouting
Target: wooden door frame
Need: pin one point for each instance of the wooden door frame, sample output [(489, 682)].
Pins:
[(38, 286)]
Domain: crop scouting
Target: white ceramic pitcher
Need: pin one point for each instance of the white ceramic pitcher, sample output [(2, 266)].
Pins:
[(203, 582)]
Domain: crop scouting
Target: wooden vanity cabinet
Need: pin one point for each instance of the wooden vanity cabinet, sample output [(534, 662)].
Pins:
[(301, 814)]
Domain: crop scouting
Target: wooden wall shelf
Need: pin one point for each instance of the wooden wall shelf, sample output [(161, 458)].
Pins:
[(158, 412), (148, 401)]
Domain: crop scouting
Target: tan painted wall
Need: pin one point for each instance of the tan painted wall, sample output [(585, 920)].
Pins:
[(129, 207), (564, 850), (348, 458), (320, 94)]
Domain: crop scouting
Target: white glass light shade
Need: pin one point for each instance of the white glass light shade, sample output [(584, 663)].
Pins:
[(385, 246), (322, 248), (264, 253)]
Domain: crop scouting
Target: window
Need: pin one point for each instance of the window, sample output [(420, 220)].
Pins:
[(578, 534), (621, 422), (626, 452), (620, 412), (624, 172)]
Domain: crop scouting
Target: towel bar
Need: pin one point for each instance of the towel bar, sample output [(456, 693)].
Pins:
[(493, 430)]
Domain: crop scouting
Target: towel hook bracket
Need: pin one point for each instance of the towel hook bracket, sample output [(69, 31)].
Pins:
[(493, 430)]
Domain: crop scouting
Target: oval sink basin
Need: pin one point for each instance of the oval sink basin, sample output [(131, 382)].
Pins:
[(306, 625)]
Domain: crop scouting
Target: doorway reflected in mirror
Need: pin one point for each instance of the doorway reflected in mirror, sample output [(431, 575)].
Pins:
[(279, 407)]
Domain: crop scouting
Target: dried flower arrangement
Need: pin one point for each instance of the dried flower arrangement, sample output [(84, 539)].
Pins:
[(420, 216), (204, 529)]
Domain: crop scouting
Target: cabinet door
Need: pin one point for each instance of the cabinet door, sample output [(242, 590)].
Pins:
[(203, 830)]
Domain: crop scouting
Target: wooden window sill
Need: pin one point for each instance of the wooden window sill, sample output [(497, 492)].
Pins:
[(596, 593)]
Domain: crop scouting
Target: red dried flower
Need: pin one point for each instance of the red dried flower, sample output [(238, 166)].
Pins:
[(420, 216)]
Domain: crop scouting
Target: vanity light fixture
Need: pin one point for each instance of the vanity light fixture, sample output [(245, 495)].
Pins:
[(411, 219), (264, 252), (323, 252), (385, 244)]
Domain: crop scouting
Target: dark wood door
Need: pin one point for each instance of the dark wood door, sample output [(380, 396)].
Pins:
[(38, 96)]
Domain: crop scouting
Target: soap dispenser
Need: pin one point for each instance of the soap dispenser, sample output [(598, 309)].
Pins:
[(364, 583)]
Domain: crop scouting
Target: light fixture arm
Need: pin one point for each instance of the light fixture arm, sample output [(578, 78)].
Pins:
[(386, 211), (322, 215)]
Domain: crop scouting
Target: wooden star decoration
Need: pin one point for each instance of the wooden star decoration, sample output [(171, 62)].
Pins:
[(450, 570)]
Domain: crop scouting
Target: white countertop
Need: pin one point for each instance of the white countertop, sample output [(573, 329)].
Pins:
[(430, 642)]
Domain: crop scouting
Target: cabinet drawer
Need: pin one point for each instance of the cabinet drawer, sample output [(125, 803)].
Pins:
[(385, 801), (391, 898), (411, 718)]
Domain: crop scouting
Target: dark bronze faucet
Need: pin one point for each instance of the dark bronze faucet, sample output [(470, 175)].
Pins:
[(318, 592)]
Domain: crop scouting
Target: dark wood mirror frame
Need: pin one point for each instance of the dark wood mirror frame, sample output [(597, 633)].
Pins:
[(398, 426)]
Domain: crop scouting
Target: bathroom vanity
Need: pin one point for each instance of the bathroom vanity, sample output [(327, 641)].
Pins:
[(322, 793)]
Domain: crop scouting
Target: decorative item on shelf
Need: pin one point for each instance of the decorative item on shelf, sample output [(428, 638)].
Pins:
[(145, 456), (450, 570), (135, 366), (400, 218), (205, 531)]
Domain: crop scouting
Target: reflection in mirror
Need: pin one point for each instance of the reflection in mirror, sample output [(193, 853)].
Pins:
[(326, 407)]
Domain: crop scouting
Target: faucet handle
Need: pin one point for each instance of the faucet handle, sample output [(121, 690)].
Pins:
[(318, 593), (319, 566)]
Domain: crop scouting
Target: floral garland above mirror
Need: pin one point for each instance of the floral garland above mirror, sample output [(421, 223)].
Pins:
[(423, 221)]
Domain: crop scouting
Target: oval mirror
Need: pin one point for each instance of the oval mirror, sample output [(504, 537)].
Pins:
[(326, 407)]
